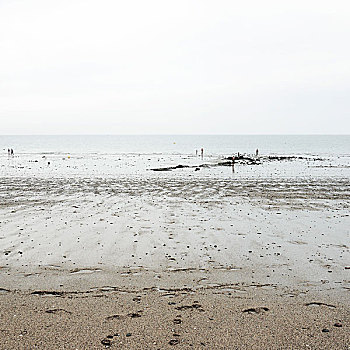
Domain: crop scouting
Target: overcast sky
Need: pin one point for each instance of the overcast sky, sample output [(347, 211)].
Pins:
[(174, 67)]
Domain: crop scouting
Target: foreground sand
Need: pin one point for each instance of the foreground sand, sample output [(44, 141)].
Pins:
[(207, 319), (172, 262)]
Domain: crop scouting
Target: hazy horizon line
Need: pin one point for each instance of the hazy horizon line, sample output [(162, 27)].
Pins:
[(316, 134)]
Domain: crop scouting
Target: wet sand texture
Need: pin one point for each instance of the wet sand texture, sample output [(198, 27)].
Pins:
[(174, 262)]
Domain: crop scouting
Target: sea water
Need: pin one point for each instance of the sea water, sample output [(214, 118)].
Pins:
[(328, 145)]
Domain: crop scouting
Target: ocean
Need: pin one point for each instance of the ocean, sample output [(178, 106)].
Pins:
[(323, 145)]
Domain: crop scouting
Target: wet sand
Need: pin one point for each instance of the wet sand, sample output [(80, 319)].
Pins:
[(163, 262)]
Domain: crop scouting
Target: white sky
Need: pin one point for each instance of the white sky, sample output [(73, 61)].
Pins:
[(174, 67)]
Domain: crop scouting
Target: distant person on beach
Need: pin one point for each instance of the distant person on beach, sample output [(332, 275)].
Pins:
[(202, 152), (12, 152), (196, 152), (8, 151), (257, 152), (233, 164)]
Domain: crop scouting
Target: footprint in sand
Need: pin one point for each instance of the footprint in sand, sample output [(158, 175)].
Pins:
[(317, 303), (57, 311), (256, 310)]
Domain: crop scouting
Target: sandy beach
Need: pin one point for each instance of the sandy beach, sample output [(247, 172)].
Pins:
[(174, 175), (174, 260)]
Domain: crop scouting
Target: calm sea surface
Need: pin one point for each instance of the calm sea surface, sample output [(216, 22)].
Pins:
[(180, 144)]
